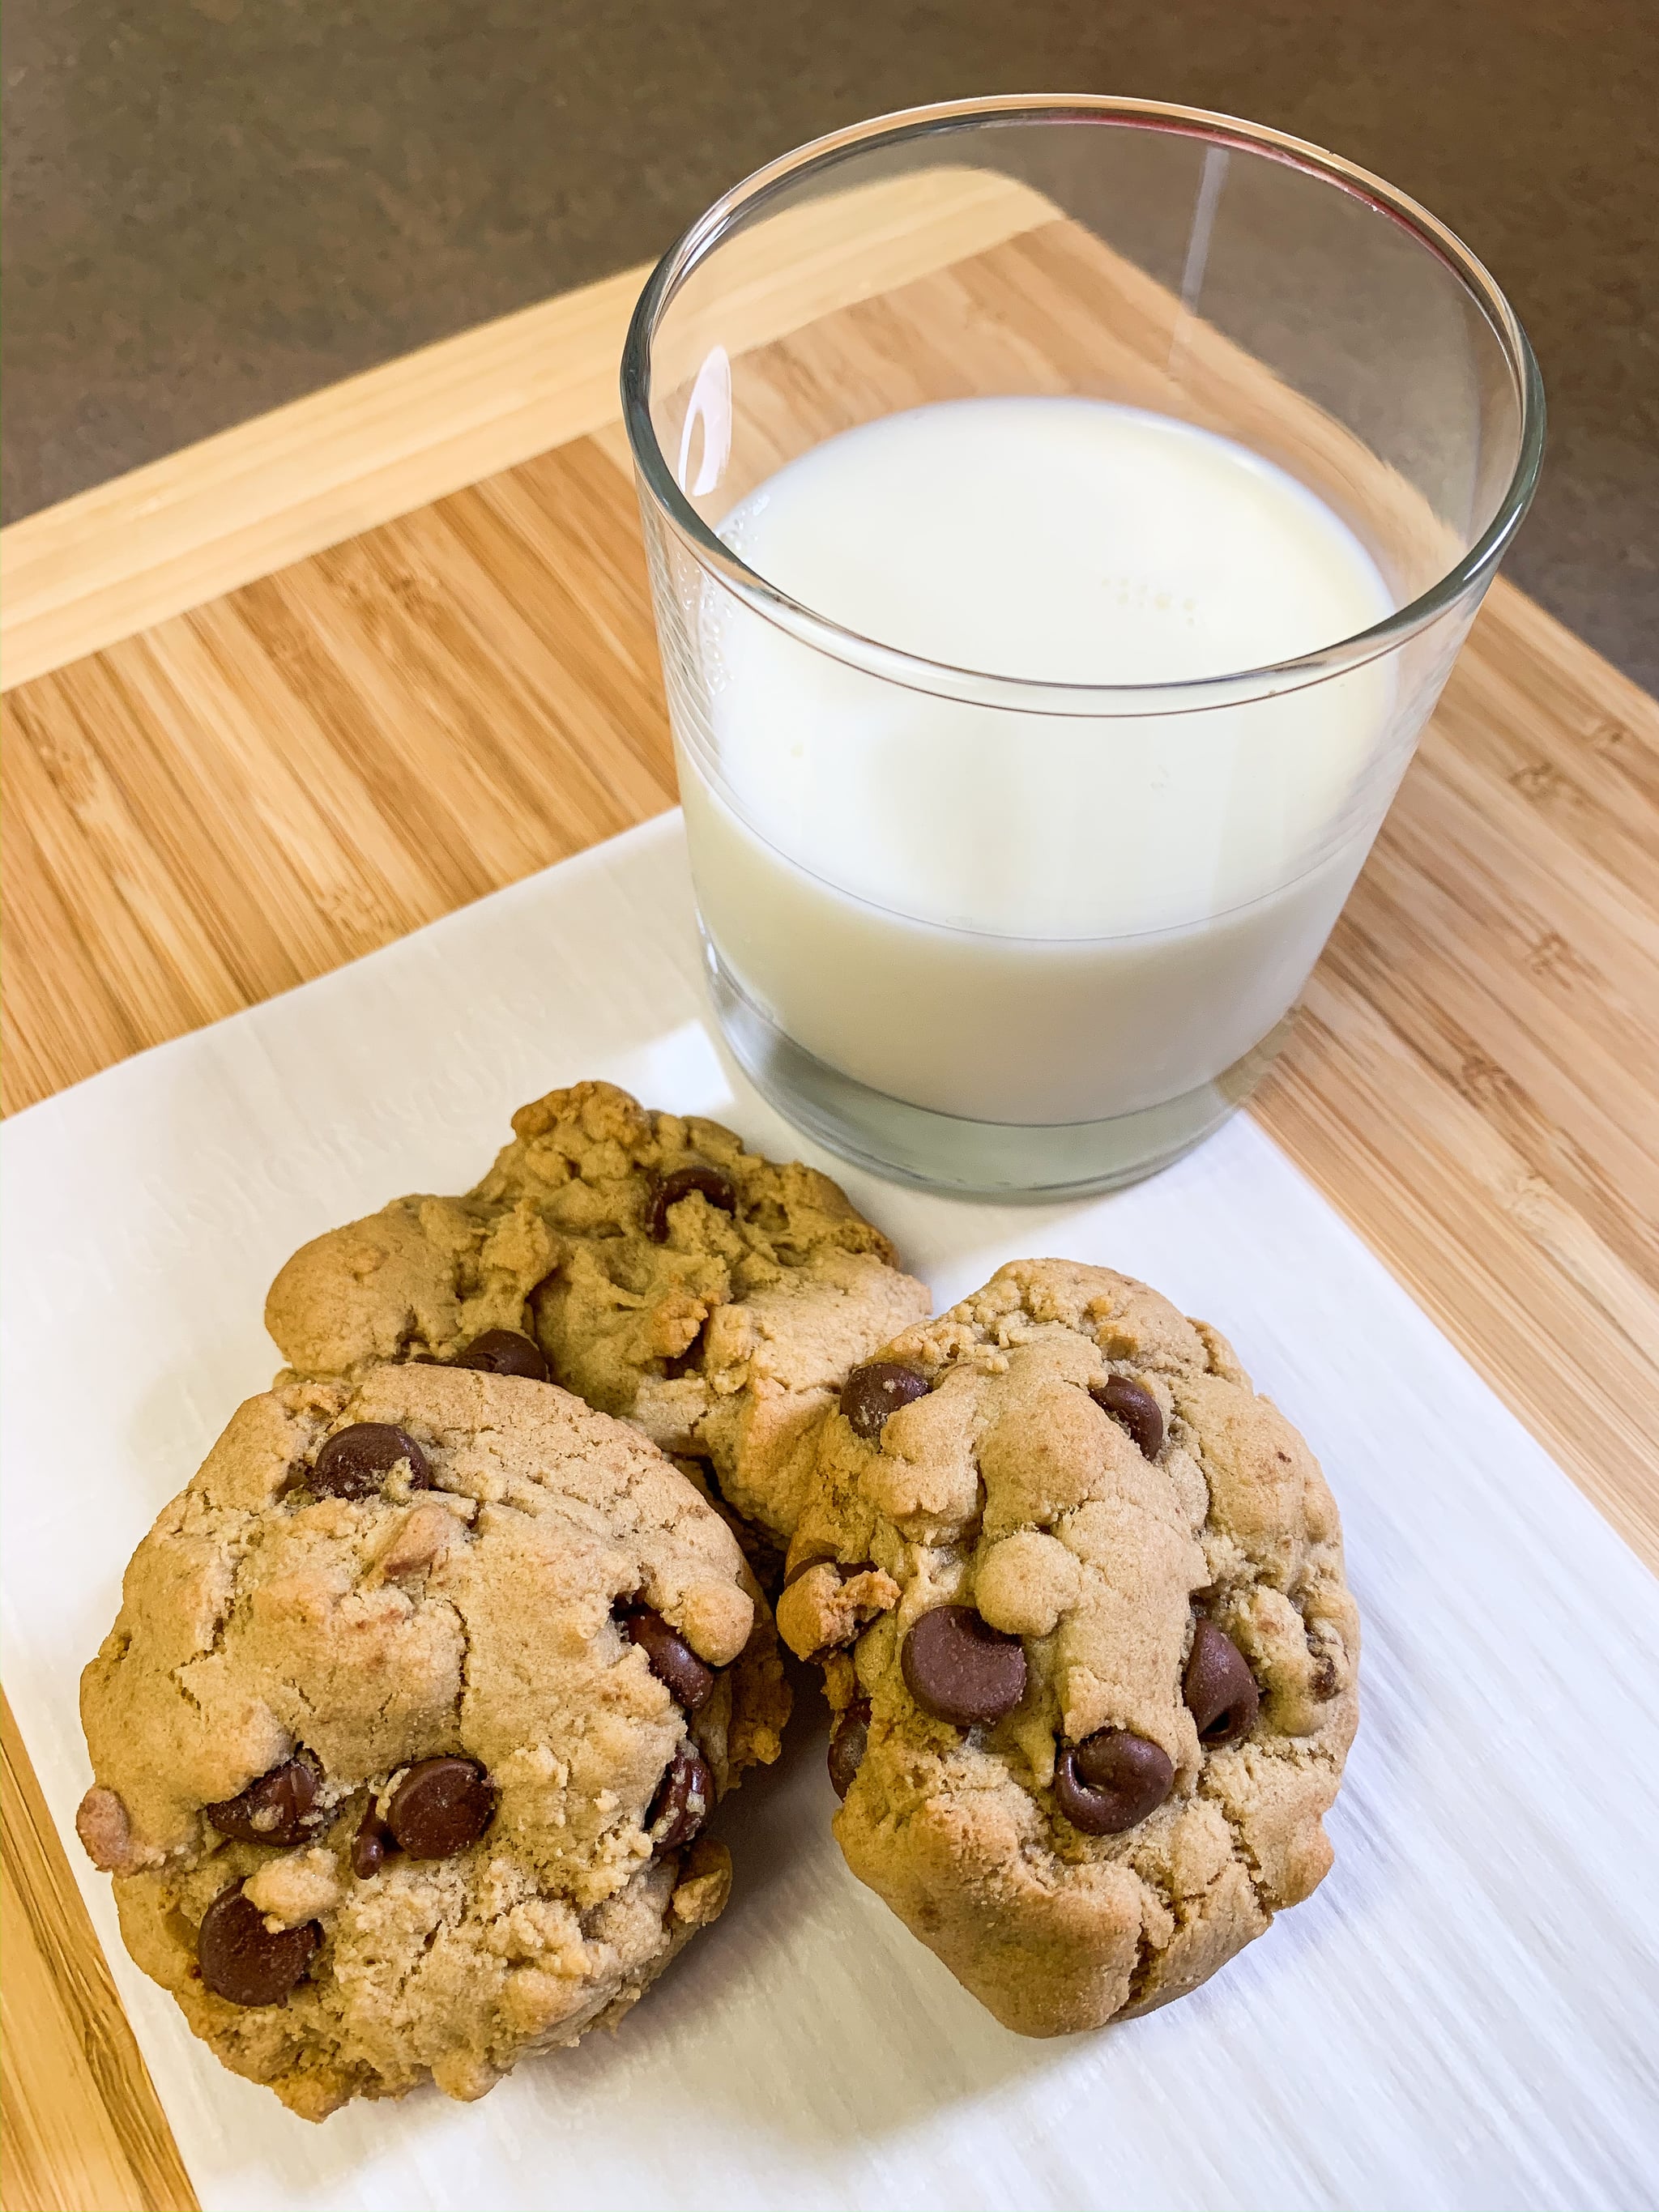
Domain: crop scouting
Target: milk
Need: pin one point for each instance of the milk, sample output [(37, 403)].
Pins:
[(1013, 916)]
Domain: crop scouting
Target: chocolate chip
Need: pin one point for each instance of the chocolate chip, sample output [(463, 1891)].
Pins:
[(793, 1574), (873, 1393), (1218, 1687), (241, 1960), (848, 1741), (354, 1462), (960, 1668), (846, 1571), (1111, 1781), (672, 1660), (684, 1799), (504, 1351), (370, 1845), (1134, 1406), (277, 1808), (440, 1806), (714, 1186)]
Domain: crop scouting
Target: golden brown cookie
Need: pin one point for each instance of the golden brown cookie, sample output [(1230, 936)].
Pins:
[(1078, 1593), (665, 1274), (405, 1739)]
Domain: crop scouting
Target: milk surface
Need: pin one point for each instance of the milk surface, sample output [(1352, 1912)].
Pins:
[(1015, 916)]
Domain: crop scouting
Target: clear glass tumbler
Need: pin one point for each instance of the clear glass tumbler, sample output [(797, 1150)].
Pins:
[(1015, 838)]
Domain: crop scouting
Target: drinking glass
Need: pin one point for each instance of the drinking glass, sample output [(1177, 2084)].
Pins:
[(1016, 930)]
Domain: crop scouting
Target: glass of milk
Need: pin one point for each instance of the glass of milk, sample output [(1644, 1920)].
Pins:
[(1062, 515)]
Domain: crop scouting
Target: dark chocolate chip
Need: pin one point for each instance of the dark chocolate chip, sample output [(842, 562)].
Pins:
[(849, 1741), (1218, 1687), (712, 1185), (672, 1660), (1134, 1406), (440, 1806), (875, 1391), (845, 1569), (684, 1799), (960, 1668), (504, 1351), (1111, 1781), (370, 1845), (241, 1960), (277, 1808), (354, 1462)]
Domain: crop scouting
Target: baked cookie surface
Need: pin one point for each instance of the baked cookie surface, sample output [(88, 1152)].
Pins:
[(666, 1274), (419, 1697), (1078, 1593)]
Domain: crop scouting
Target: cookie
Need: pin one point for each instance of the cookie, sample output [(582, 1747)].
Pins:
[(419, 1698), (664, 1273), (1078, 1593)]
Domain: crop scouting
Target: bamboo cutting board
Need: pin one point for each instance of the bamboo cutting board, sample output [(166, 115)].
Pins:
[(280, 700)]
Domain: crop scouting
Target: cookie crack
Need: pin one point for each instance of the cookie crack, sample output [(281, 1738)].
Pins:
[(1242, 1854), (464, 1682), (403, 1982), (240, 1546)]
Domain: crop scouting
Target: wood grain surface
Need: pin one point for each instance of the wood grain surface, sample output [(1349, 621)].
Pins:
[(82, 2130), (194, 524), (239, 796)]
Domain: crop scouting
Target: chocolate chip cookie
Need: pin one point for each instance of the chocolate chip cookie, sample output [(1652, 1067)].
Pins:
[(1078, 1593), (646, 1261), (419, 1699)]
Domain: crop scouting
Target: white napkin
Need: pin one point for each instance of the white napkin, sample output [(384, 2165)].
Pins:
[(1467, 2013)]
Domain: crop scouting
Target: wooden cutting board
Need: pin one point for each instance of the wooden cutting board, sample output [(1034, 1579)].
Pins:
[(282, 698)]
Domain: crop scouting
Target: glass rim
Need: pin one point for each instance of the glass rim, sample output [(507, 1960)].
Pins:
[(1473, 568)]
